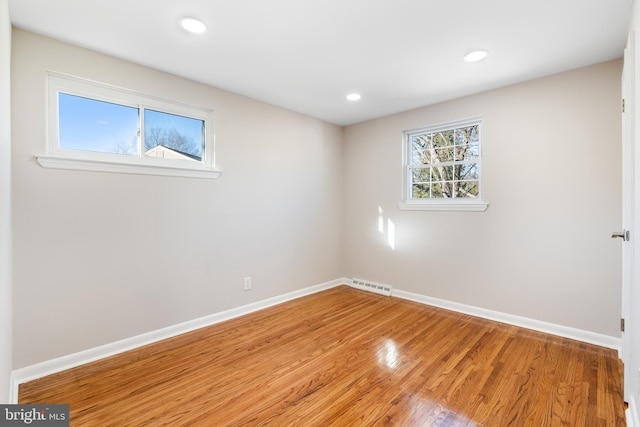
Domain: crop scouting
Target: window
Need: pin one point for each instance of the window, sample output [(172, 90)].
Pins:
[(442, 167), (103, 128)]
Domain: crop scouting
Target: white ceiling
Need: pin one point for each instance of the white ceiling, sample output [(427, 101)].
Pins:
[(307, 55)]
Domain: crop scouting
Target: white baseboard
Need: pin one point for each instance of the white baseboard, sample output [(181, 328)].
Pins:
[(632, 414), (49, 367), (524, 322), (63, 363)]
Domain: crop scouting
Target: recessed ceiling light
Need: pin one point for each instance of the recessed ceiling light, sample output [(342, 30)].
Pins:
[(475, 55), (353, 96), (193, 25)]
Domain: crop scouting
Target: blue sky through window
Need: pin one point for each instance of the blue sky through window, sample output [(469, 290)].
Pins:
[(180, 133), (92, 125)]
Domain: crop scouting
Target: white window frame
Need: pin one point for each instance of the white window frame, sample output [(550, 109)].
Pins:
[(57, 157), (439, 204)]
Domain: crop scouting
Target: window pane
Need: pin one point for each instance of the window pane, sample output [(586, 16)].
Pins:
[(92, 125), (420, 153), (443, 138), (443, 173), (467, 152), (467, 135), (420, 191), (473, 134), (443, 155), (467, 171), (172, 136), (472, 152), (447, 189), (421, 175), (444, 163), (434, 190), (439, 190), (468, 189)]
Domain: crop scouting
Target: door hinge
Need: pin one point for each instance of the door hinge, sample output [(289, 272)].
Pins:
[(623, 105), (621, 325)]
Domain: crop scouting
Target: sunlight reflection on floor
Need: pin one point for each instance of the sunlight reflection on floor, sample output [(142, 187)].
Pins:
[(424, 411), (388, 354), (429, 413)]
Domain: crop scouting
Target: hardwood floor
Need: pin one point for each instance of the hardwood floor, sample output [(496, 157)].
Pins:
[(345, 357)]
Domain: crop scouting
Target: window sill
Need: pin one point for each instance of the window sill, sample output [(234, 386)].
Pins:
[(130, 167), (454, 206)]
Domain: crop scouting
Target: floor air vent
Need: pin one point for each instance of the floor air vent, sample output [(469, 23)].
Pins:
[(365, 285)]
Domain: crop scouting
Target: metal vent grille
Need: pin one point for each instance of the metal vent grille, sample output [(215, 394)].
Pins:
[(366, 285)]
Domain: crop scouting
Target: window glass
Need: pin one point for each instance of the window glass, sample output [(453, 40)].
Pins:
[(99, 127), (172, 136), (444, 162), (92, 125)]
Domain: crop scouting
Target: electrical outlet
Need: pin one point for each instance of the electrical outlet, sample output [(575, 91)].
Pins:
[(247, 283)]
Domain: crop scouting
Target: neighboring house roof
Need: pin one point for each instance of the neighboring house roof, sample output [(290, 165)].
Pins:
[(169, 153)]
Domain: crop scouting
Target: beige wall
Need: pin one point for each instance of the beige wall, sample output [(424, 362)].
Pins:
[(551, 171), (5, 203), (100, 257)]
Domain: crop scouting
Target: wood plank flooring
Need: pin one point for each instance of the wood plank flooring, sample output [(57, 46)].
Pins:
[(345, 357)]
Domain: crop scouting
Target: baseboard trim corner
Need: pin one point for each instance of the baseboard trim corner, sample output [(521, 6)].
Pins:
[(39, 370), (524, 322), (30, 373), (631, 414)]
